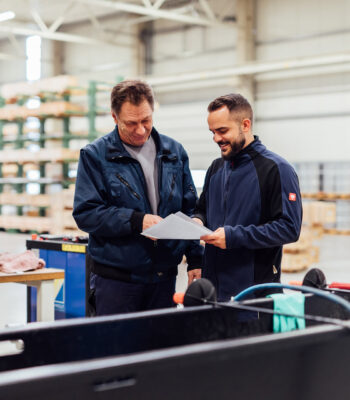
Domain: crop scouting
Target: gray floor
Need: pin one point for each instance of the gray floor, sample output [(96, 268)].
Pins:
[(334, 261)]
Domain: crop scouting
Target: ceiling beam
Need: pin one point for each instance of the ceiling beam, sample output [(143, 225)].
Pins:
[(59, 20), (150, 11), (146, 18), (147, 3), (253, 68), (207, 9), (158, 4), (39, 21), (59, 36)]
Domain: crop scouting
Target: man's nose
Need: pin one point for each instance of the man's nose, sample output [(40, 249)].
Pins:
[(216, 138), (140, 129)]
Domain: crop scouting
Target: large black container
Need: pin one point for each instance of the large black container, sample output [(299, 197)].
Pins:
[(202, 353)]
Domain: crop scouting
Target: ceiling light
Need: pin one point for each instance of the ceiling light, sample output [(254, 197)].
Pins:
[(5, 16)]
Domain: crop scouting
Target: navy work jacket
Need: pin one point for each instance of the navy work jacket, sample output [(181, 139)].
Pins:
[(111, 200), (256, 199)]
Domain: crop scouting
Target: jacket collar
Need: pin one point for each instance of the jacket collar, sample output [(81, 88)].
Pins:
[(115, 149), (247, 153)]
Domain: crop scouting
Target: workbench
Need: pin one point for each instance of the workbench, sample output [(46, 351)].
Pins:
[(44, 281), (69, 257)]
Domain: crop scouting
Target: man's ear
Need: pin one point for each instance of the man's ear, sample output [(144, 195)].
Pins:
[(114, 116), (246, 124)]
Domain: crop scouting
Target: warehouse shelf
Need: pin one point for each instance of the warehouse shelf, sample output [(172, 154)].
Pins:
[(318, 216), (38, 138), (57, 99), (22, 199), (41, 155), (328, 182), (16, 181), (326, 196), (26, 223)]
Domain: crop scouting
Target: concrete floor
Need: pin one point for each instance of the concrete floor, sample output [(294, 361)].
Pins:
[(334, 261)]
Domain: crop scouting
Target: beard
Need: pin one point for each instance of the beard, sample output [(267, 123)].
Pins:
[(235, 147)]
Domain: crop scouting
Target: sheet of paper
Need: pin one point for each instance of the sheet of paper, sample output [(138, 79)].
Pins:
[(177, 226)]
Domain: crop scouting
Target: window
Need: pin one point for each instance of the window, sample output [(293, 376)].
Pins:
[(33, 53)]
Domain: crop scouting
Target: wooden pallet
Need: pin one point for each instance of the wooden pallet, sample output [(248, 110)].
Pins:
[(296, 262), (326, 196), (23, 199), (319, 213), (22, 156), (333, 231), (58, 84), (50, 109), (25, 223), (58, 219)]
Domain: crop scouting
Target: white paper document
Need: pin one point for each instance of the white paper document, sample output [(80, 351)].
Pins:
[(177, 226)]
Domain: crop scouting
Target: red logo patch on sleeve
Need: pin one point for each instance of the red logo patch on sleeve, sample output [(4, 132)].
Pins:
[(292, 197)]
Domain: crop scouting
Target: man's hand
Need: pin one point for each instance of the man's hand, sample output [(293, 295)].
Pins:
[(216, 238), (150, 220), (198, 221), (194, 274)]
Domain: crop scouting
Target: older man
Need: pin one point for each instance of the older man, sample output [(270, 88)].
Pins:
[(127, 181)]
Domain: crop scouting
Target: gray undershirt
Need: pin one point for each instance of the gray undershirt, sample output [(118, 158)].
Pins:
[(146, 156)]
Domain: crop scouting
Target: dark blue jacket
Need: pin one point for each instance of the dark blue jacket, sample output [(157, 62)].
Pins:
[(256, 198), (110, 203)]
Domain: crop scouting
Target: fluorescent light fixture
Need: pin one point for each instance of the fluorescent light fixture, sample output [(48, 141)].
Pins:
[(5, 16)]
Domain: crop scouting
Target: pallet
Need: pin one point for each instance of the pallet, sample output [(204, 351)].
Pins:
[(333, 231), (58, 84), (50, 109), (58, 219), (300, 261), (319, 213), (22, 156), (23, 199), (326, 196), (25, 223)]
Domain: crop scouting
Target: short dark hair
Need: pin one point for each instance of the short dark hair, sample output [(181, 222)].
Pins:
[(235, 102), (133, 91)]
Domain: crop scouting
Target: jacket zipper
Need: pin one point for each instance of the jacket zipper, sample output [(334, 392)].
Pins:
[(126, 183), (226, 193), (172, 188)]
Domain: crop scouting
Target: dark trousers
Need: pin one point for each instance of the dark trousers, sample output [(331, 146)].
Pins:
[(116, 297)]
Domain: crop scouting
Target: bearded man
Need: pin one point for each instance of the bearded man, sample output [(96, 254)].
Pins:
[(251, 200)]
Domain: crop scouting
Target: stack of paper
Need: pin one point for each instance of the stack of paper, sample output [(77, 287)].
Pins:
[(177, 226)]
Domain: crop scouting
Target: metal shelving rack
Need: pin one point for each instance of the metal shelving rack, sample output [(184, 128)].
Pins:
[(21, 140), (328, 182)]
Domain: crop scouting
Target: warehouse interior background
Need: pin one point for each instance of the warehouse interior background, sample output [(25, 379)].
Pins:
[(291, 59)]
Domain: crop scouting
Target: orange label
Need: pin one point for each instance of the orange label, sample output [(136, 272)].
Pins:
[(292, 197)]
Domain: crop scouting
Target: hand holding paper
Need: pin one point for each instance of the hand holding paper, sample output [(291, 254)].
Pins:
[(218, 238), (176, 226)]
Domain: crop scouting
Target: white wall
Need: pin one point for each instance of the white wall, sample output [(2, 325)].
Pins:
[(106, 62), (192, 49), (304, 118), (12, 70), (187, 124), (303, 115)]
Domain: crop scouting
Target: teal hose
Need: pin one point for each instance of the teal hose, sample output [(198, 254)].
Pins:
[(305, 289)]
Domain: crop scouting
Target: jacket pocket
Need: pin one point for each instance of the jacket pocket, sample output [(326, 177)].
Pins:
[(172, 187), (127, 184)]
